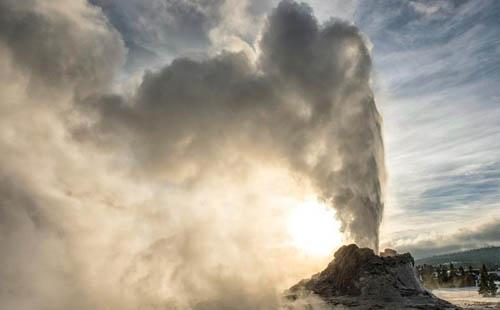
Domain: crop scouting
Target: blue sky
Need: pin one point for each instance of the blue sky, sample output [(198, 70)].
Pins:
[(436, 80)]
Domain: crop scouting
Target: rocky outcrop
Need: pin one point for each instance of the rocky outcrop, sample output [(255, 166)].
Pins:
[(359, 279), (388, 252)]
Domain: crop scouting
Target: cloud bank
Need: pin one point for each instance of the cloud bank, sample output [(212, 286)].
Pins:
[(484, 234), (174, 194)]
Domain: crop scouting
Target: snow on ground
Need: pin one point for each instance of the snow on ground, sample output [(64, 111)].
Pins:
[(468, 297)]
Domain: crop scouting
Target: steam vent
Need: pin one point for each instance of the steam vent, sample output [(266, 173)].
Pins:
[(359, 279)]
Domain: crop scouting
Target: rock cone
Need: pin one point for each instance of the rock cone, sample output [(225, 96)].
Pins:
[(359, 279)]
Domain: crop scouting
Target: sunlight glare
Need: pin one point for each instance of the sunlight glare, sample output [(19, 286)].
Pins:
[(314, 228)]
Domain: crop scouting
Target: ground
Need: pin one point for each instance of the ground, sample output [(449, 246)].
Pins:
[(468, 298)]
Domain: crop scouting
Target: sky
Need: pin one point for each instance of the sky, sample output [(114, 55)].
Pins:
[(436, 71), (184, 154)]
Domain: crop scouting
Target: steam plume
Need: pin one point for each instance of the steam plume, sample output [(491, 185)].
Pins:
[(307, 104), (161, 196)]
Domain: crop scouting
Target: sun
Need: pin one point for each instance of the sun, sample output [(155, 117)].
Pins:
[(314, 229)]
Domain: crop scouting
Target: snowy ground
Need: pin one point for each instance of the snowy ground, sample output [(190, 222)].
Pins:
[(468, 297)]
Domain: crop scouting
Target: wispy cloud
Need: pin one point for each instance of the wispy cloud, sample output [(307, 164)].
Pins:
[(437, 75)]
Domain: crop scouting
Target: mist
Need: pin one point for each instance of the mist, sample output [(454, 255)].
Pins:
[(174, 192)]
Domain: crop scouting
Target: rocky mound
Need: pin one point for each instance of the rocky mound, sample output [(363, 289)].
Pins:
[(359, 279)]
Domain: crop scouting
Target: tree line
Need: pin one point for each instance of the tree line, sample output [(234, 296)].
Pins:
[(448, 276)]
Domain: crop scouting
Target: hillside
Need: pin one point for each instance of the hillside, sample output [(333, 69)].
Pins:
[(489, 256)]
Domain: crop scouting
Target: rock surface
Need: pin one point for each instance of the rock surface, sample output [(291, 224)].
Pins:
[(359, 279)]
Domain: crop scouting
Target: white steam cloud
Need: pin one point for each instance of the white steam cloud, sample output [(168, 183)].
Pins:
[(174, 194)]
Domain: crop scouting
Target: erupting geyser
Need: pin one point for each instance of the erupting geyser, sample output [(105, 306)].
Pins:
[(338, 143)]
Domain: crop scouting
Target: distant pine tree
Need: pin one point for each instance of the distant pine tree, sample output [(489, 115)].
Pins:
[(492, 287), (484, 289), (452, 272), (443, 274)]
